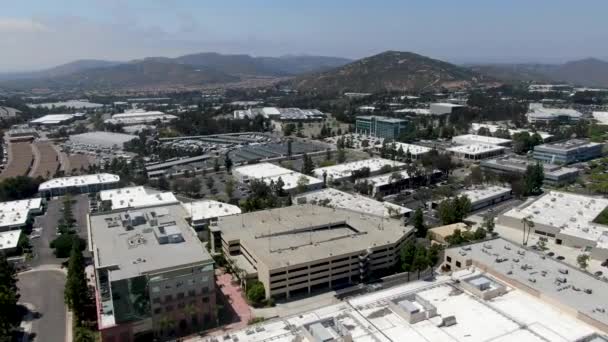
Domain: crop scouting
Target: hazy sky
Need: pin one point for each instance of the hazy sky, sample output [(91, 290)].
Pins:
[(35, 34)]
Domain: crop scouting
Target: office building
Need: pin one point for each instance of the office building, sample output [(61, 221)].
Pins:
[(205, 213), (475, 127), (476, 151), (9, 241), (21, 133), (270, 173), (415, 152), (78, 184), (135, 197), (303, 249), (380, 126), (281, 114), (511, 165), (565, 219), (537, 113), (568, 152), (17, 214), (138, 117), (344, 171), (445, 108), (573, 292), (396, 182), (333, 198), (482, 196), (471, 139), (150, 268), (53, 120), (440, 234)]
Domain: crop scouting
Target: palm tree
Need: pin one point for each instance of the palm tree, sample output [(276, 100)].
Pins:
[(526, 222)]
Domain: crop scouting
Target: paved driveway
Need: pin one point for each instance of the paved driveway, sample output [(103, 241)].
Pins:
[(42, 290)]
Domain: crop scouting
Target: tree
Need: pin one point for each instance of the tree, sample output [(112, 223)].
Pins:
[(307, 164), (216, 165), (533, 179), (529, 224), (63, 244), (341, 155), (489, 224), (9, 296), (82, 334), (76, 291), (228, 163), (162, 183), (418, 221), (194, 186), (302, 184), (229, 187), (476, 175), (407, 254), (289, 149), (255, 292), (583, 260), (454, 210), (209, 182)]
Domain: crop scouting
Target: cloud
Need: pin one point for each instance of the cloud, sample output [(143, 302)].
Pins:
[(16, 25)]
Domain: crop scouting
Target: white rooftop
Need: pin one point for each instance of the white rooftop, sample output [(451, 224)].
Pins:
[(15, 213), (334, 198), (601, 117), (493, 128), (538, 111), (269, 172), (413, 149), (100, 178), (467, 139), (475, 148), (571, 213), (136, 197), (514, 316), (419, 111), (208, 209), (483, 193), (9, 239), (341, 171), (53, 119)]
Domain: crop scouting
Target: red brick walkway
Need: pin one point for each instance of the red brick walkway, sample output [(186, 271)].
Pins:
[(234, 295)]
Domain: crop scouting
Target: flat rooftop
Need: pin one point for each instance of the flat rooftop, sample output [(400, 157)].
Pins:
[(63, 182), (136, 197), (341, 171), (475, 149), (521, 164), (381, 118), (568, 145), (9, 239), (208, 209), (303, 233), (133, 247), (544, 271), (16, 213), (514, 316), (100, 138), (268, 172), (484, 193), (334, 198), (53, 119), (493, 128), (571, 213), (480, 139), (413, 149)]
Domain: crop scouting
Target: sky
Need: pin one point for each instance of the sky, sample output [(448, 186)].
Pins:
[(36, 34)]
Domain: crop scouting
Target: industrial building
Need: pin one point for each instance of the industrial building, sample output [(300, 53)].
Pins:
[(281, 114), (78, 184), (600, 117), (333, 198), (150, 267), (512, 131), (9, 241), (139, 116), (270, 173), (303, 249), (568, 152), (467, 305), (476, 151), (573, 292), (471, 139), (554, 174), (380, 126), (99, 140), (415, 152), (343, 171), (440, 234), (445, 108), (53, 120), (21, 133), (388, 184), (537, 113), (135, 197), (197, 163), (482, 196), (17, 214), (565, 219), (76, 104)]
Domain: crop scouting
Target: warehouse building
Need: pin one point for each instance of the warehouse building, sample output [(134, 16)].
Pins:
[(471, 139), (572, 291), (150, 267), (344, 171), (78, 184), (565, 219), (482, 196), (494, 128), (333, 198), (303, 249), (281, 114), (554, 174), (568, 152), (99, 140), (537, 113), (270, 173), (415, 152), (135, 197), (380, 126), (9, 241), (21, 133), (396, 182), (53, 120), (445, 108), (476, 151), (18, 214), (138, 117)]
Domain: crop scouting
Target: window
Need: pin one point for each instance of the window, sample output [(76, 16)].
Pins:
[(458, 264), (169, 308), (205, 289), (191, 293), (205, 299), (157, 311), (168, 298), (155, 289), (448, 258), (181, 305), (156, 300), (180, 295), (179, 284)]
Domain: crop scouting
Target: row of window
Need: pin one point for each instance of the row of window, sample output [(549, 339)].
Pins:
[(181, 305), (180, 295)]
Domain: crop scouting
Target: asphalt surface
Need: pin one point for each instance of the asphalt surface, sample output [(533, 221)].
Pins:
[(43, 289)]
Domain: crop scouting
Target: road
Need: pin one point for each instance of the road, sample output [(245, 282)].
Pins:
[(43, 290)]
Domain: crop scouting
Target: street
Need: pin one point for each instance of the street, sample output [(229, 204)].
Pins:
[(43, 290)]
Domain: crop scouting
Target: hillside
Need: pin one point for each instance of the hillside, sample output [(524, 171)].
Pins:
[(388, 71), (585, 72), (146, 73), (60, 70)]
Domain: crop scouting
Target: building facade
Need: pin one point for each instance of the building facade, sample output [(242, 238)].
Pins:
[(568, 152), (554, 174), (380, 126)]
